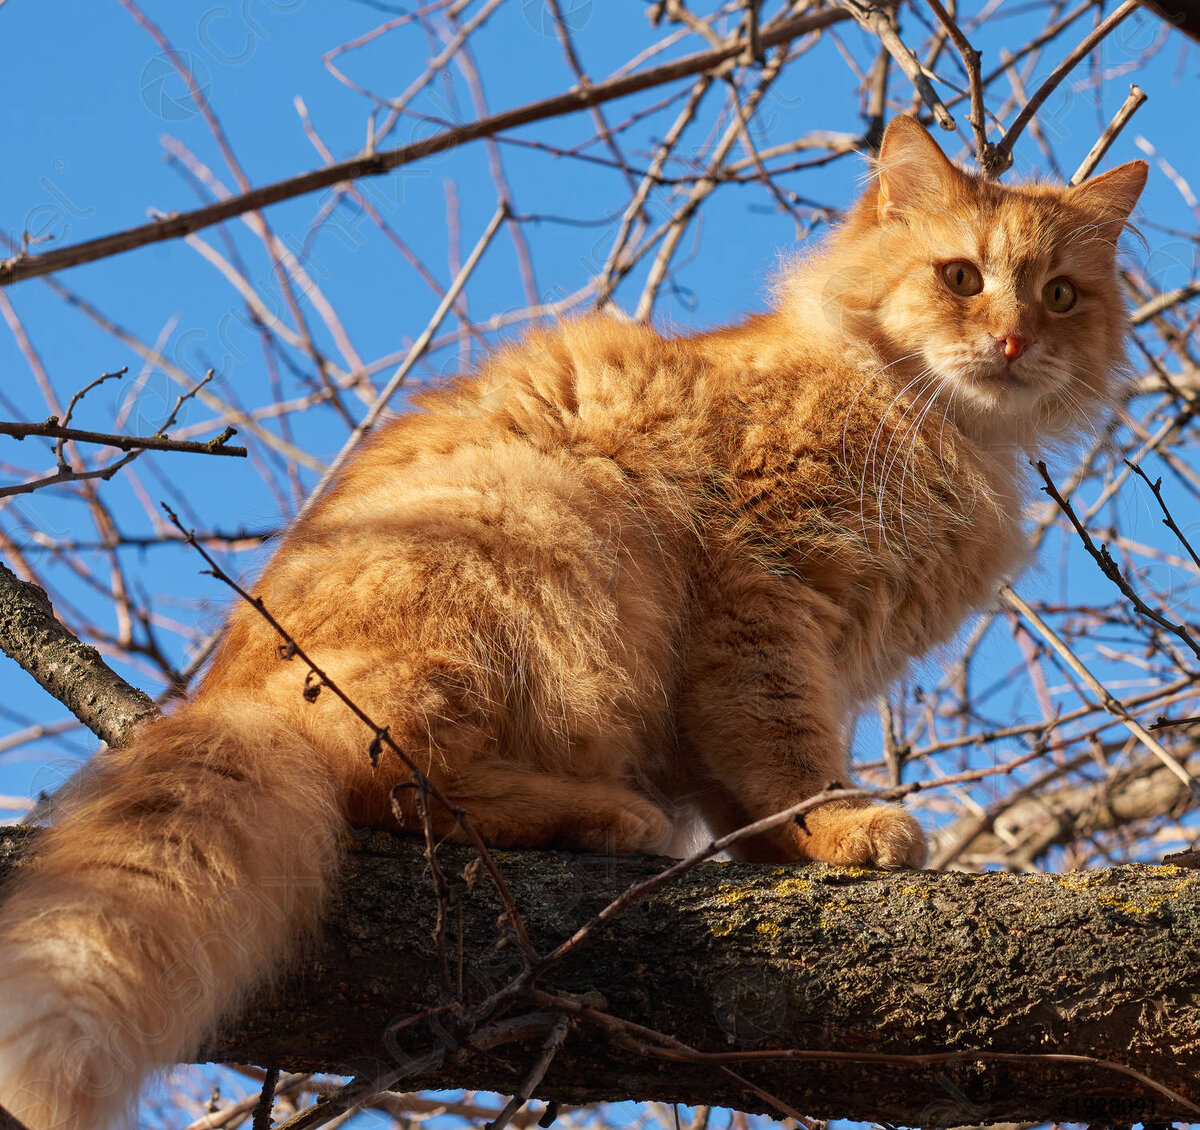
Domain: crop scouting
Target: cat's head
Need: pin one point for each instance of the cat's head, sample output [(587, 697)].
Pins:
[(1006, 295)]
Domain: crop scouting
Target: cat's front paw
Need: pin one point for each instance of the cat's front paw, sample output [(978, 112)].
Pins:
[(876, 835)]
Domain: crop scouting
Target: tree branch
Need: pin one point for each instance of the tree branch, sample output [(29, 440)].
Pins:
[(842, 993), (1181, 14), (1002, 152), (179, 224), (71, 671), (218, 445)]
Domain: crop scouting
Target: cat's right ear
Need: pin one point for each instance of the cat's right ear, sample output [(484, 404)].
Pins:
[(912, 169)]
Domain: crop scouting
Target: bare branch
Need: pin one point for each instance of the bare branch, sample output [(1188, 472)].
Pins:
[(1002, 153), (180, 224), (879, 21), (218, 445), (1120, 119), (71, 671)]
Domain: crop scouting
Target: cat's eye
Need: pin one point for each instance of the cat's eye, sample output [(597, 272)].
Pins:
[(962, 278), (1059, 295)]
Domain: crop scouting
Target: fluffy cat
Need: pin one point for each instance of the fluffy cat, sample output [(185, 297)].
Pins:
[(609, 579)]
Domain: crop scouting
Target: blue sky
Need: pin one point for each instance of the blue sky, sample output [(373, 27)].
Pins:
[(88, 118), (87, 103), (86, 121)]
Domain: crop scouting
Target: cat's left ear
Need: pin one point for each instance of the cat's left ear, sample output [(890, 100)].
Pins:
[(1113, 195), (913, 171)]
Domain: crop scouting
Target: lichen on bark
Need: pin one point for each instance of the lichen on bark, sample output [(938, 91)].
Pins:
[(937, 971)]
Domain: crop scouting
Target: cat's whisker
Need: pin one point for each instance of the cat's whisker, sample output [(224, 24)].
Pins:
[(900, 440), (917, 433), (870, 463), (863, 388)]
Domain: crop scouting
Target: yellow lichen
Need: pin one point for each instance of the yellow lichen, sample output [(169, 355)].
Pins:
[(1124, 901), (721, 929), (732, 894), (791, 885), (829, 918)]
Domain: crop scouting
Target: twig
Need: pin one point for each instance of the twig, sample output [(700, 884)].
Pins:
[(753, 52), (1168, 518), (358, 1091), (878, 21), (984, 150), (179, 224), (549, 1050), (441, 888), (63, 465), (634, 1036), (877, 102), (242, 1107), (1107, 700), (1003, 150), (1095, 155), (266, 1099), (1164, 302), (1110, 568), (926, 1059), (1162, 723), (53, 430), (69, 475)]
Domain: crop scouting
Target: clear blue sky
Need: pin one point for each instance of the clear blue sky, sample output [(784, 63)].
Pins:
[(86, 101), (85, 115)]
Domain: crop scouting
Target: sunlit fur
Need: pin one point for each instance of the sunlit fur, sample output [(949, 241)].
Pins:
[(608, 581)]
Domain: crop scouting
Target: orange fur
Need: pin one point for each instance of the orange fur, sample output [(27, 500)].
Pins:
[(609, 580)]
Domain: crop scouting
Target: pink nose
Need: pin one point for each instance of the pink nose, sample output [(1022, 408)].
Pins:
[(1013, 345)]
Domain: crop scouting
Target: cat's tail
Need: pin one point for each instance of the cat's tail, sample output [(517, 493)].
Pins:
[(167, 890)]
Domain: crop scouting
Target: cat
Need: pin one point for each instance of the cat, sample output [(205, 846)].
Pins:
[(609, 580)]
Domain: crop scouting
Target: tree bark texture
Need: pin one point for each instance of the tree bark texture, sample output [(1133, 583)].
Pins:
[(735, 958), (1183, 14), (70, 670)]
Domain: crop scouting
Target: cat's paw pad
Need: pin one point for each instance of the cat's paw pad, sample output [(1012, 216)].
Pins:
[(878, 835)]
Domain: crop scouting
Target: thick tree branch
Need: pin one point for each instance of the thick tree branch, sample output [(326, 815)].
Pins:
[(1183, 14), (912, 998), (70, 670)]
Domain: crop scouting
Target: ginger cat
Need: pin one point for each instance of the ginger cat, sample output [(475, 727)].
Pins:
[(610, 579)]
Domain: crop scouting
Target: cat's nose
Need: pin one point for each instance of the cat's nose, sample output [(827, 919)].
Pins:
[(1013, 345)]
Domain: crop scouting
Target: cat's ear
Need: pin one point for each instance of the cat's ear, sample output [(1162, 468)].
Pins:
[(1113, 195), (912, 169)]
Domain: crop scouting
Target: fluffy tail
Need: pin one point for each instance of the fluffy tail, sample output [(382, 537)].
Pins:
[(163, 894)]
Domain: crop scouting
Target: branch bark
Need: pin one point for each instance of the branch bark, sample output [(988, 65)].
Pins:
[(70, 670), (215, 446), (1182, 14), (916, 998)]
